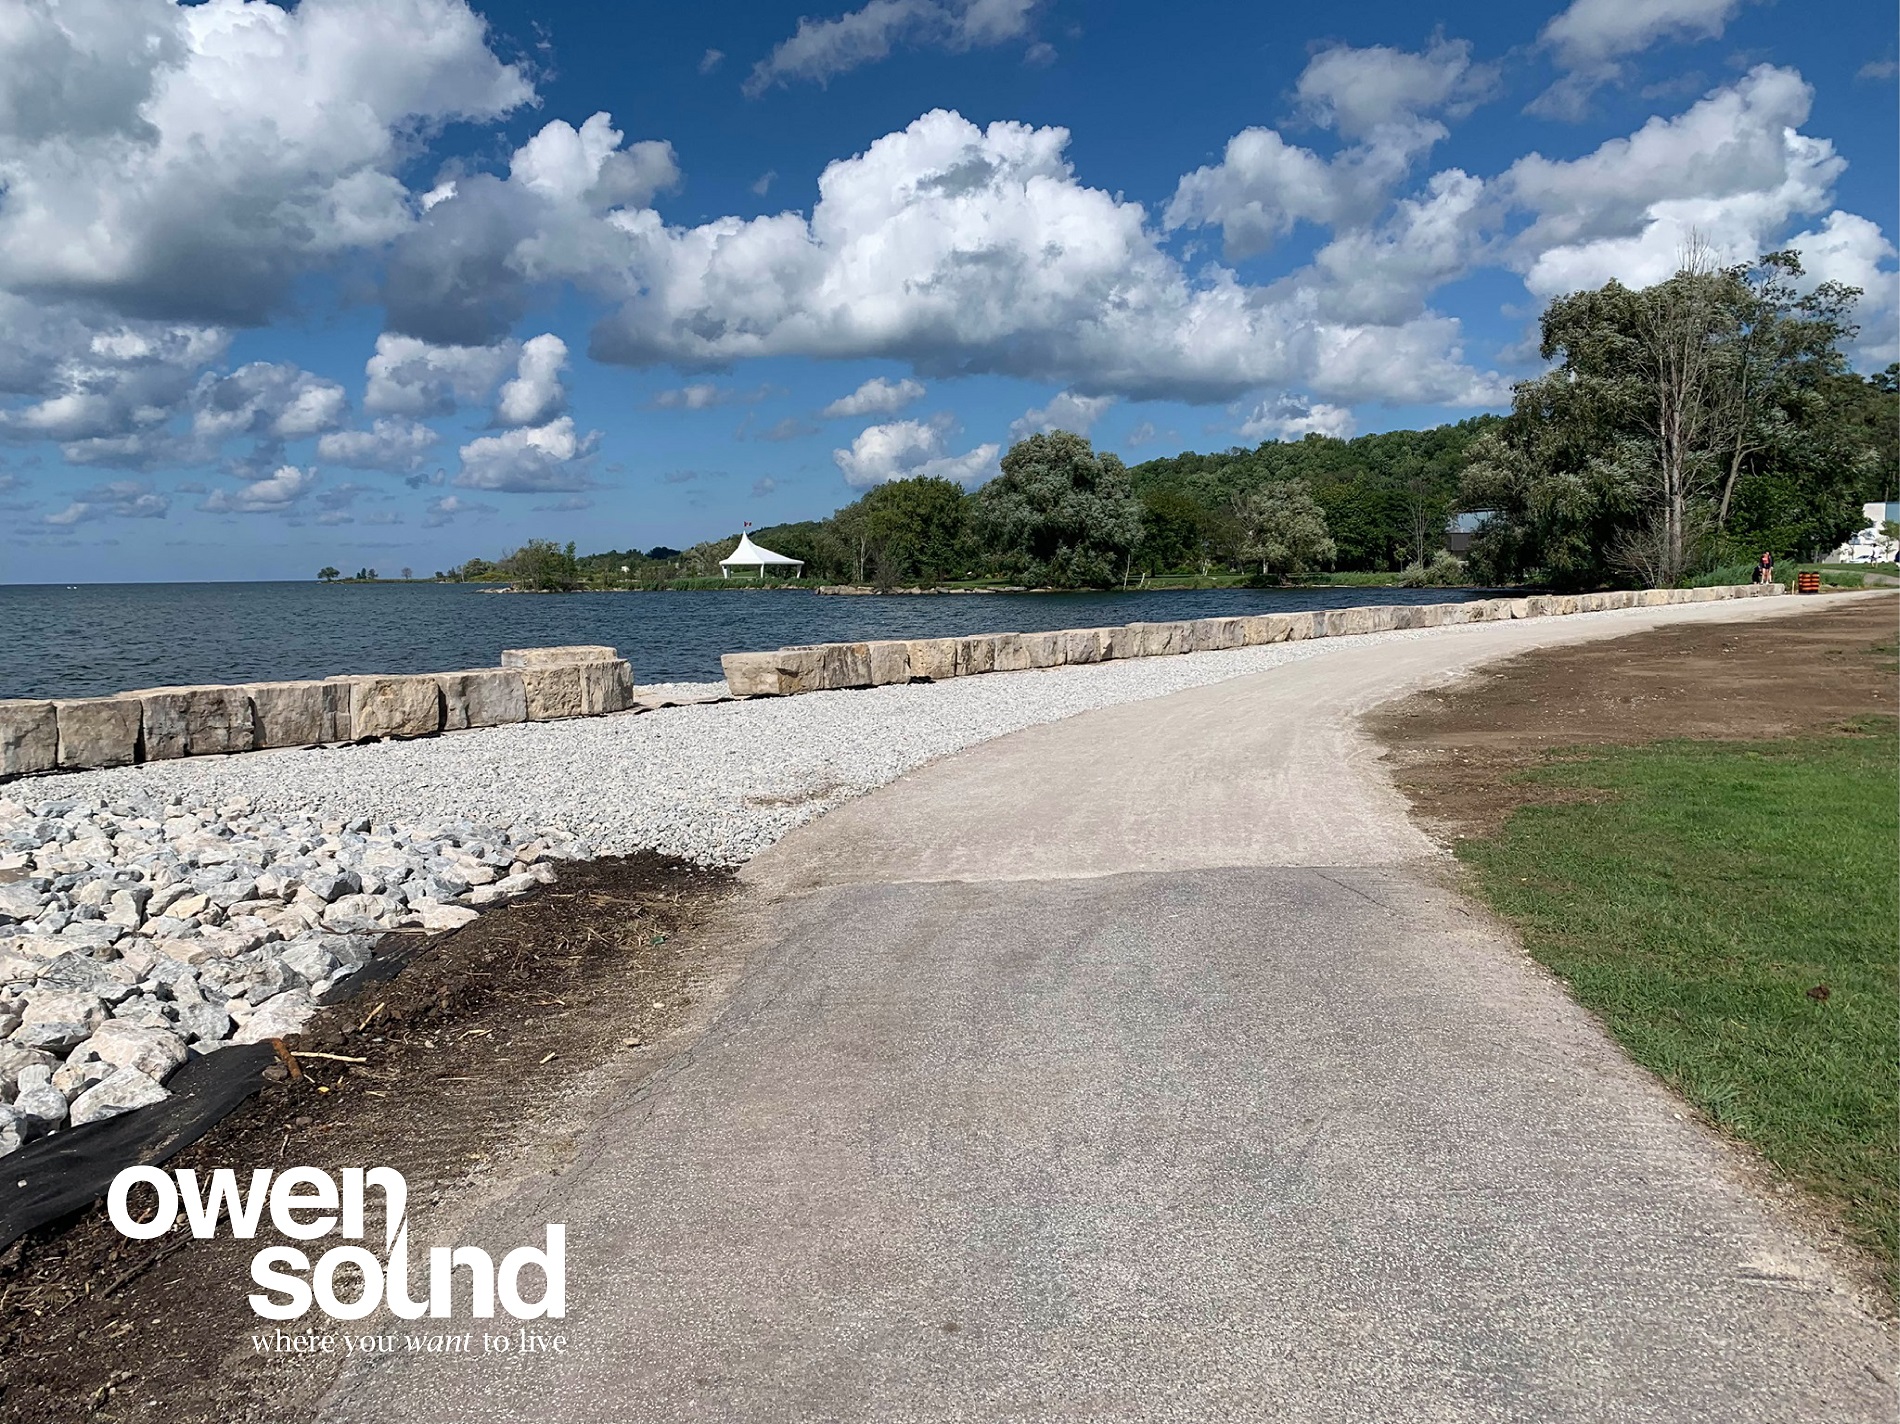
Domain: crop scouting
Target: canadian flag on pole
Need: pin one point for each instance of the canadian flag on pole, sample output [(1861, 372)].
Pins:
[(748, 524)]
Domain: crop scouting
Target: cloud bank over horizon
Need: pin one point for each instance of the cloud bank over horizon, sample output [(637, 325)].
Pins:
[(183, 186)]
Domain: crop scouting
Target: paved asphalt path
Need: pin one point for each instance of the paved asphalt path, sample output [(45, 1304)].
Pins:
[(1140, 1067)]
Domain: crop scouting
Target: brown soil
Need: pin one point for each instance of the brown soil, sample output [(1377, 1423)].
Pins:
[(1457, 752), (483, 1059)]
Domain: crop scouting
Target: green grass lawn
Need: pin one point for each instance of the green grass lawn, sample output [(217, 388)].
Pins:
[(1693, 897)]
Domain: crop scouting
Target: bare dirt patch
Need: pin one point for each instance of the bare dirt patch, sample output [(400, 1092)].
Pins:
[(1457, 752), (482, 1061)]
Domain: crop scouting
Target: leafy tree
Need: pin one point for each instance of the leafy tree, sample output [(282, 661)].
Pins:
[(1385, 496), (328, 574), (1060, 514), (1284, 529), (1677, 416), (541, 566), (914, 529)]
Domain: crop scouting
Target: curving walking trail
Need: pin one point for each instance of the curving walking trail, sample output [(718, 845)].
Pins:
[(1145, 1066)]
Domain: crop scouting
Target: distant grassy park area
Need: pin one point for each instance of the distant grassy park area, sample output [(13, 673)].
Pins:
[(1729, 910)]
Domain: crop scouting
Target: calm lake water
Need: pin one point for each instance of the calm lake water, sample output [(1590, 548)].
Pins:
[(58, 641)]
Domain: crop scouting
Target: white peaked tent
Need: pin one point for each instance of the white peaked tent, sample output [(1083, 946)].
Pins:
[(750, 556)]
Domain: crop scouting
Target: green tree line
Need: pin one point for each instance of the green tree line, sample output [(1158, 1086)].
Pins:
[(1681, 428)]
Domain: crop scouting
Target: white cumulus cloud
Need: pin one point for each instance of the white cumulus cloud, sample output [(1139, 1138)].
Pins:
[(122, 499), (972, 250), (1591, 38), (1384, 100), (463, 274), (1066, 411), (534, 459), (1290, 417), (908, 449), (820, 50), (277, 493), (220, 150), (535, 395), (273, 400), (393, 443), (1734, 169), (876, 396), (415, 378)]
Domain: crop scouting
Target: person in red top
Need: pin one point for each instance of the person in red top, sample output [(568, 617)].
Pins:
[(1765, 568)]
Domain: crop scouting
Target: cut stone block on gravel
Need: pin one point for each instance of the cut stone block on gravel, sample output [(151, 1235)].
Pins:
[(29, 737), (393, 706), (1043, 650), (194, 721), (553, 692), (97, 731), (290, 714), (1081, 646), (557, 657), (607, 685), (1007, 652), (976, 655), (933, 659), (583, 689), (482, 697), (890, 662), (828, 666), (756, 674)]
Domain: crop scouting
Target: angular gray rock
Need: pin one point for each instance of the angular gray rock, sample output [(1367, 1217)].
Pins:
[(121, 1091), (153, 1051), (277, 1017)]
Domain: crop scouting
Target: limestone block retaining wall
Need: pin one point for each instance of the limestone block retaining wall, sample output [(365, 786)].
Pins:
[(828, 666), (159, 723)]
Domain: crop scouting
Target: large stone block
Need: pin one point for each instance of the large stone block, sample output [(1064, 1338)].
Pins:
[(557, 657), (976, 655), (552, 693), (1085, 645), (1007, 653), (890, 661), (29, 737), (1044, 650), (194, 721), (755, 675), (1258, 629), (1344, 622), (393, 706), (1158, 640), (482, 697), (1419, 615), (1288, 627), (933, 658), (1209, 635), (97, 731), (290, 714), (336, 710), (1125, 641), (609, 684), (831, 666)]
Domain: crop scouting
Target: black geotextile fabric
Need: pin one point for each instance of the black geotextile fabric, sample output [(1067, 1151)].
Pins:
[(68, 1170)]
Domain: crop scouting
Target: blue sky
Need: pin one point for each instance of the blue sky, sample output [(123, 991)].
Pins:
[(397, 282)]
